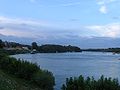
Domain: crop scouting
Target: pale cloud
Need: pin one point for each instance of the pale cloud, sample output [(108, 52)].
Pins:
[(8, 20), (32, 28), (109, 30), (65, 4), (103, 9), (71, 4), (38, 29), (103, 5), (23, 27), (103, 2), (12, 32)]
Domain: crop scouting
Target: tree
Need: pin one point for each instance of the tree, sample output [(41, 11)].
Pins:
[(89, 83), (1, 44), (34, 45)]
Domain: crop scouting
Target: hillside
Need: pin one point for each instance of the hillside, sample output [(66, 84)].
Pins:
[(22, 75)]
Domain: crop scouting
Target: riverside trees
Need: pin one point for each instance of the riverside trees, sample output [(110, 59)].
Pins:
[(27, 71), (81, 83)]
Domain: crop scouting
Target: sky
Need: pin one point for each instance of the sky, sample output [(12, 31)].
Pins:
[(61, 21)]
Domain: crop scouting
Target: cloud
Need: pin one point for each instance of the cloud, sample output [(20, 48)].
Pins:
[(70, 4), (23, 27), (64, 4), (103, 2), (7, 20), (103, 9), (45, 32), (110, 30), (34, 28), (103, 5)]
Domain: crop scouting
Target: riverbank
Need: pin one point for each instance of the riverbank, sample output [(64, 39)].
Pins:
[(28, 73), (65, 65)]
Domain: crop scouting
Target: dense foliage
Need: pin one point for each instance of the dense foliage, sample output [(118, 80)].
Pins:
[(13, 52), (12, 44), (34, 45), (1, 44), (16, 48), (81, 83), (49, 48), (27, 71)]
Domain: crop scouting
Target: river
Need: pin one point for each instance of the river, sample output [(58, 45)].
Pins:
[(65, 65)]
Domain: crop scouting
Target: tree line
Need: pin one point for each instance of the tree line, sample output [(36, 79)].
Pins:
[(81, 83), (51, 48), (12, 44), (47, 48)]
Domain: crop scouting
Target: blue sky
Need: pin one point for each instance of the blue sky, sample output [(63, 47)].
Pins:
[(60, 19), (84, 12)]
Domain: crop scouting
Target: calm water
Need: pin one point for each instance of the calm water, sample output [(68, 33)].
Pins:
[(65, 65)]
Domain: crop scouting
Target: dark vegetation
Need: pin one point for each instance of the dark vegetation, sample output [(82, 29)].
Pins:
[(7, 44), (27, 71), (47, 48), (81, 83), (57, 49), (13, 52), (9, 82), (16, 48), (51, 48)]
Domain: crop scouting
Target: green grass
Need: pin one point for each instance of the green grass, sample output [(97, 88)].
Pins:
[(8, 82)]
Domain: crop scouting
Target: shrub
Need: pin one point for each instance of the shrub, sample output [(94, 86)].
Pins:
[(81, 83), (28, 71)]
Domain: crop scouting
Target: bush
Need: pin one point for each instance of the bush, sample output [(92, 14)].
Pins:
[(44, 79), (81, 83), (28, 71)]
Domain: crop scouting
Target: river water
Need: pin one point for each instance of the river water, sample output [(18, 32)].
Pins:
[(65, 65)]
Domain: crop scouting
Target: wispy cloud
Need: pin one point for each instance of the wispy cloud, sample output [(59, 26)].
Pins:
[(103, 5), (23, 27), (109, 30), (45, 31), (70, 4), (103, 2), (33, 28), (23, 21), (67, 4)]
